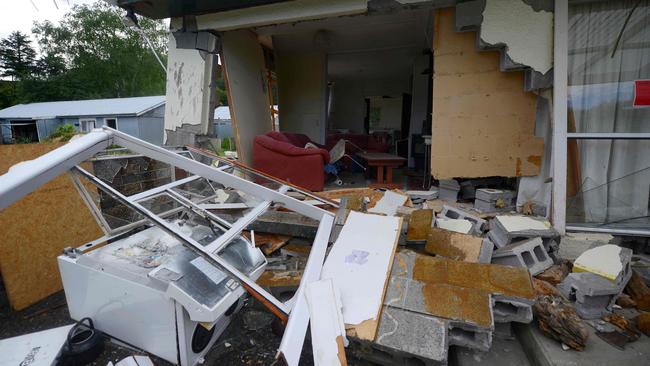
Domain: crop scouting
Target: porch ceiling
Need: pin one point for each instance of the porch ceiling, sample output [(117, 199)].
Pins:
[(160, 9)]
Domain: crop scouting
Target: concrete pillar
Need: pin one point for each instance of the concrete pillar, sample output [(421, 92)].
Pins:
[(190, 104)]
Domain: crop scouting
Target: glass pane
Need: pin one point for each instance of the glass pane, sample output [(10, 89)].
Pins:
[(606, 55), (611, 189)]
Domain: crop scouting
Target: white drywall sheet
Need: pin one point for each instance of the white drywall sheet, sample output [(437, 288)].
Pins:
[(326, 323), (603, 260), (389, 203), (527, 33), (35, 349), (243, 62), (520, 223), (359, 263)]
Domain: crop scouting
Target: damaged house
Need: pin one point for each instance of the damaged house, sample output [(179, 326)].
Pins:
[(465, 89)]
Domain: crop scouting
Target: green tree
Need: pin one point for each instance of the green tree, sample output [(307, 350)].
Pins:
[(92, 54), (17, 56)]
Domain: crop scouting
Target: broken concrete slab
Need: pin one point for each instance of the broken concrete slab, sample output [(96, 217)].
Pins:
[(508, 228), (419, 226), (470, 306), (451, 212), (574, 244), (511, 282), (416, 334), (529, 253), (457, 246)]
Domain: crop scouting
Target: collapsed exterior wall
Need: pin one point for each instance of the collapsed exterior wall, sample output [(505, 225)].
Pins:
[(484, 121)]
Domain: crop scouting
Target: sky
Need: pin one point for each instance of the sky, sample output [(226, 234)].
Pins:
[(21, 14)]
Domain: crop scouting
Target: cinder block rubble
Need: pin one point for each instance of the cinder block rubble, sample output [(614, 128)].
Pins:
[(455, 213), (509, 228), (467, 297), (460, 334), (506, 309), (448, 190), (495, 200), (528, 253), (593, 295)]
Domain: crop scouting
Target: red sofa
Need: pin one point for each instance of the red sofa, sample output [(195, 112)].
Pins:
[(283, 155)]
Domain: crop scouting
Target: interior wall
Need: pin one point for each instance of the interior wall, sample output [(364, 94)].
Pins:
[(348, 108), (390, 113), (248, 94), (302, 92), (483, 121)]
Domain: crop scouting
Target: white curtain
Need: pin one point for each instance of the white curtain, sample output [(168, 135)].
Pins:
[(615, 173)]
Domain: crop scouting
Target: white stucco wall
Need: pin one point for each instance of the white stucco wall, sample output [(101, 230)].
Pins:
[(527, 33)]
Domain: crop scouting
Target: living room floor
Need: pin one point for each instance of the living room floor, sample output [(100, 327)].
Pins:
[(409, 179)]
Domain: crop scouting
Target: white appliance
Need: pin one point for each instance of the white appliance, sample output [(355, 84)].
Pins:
[(150, 292)]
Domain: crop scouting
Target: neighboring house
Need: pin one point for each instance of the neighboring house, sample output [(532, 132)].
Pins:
[(223, 122), (141, 117)]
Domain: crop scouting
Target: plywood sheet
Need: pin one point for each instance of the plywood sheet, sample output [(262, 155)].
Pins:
[(483, 121), (248, 98), (37, 228)]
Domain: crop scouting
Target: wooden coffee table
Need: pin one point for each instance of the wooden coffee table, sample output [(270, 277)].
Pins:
[(383, 161)]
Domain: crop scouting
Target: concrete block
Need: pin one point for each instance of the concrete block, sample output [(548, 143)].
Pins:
[(507, 310), (510, 228), (448, 190), (592, 295), (487, 206), (455, 213), (495, 200), (493, 195), (528, 253), (461, 334)]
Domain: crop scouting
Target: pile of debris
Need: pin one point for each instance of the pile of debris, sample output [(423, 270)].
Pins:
[(461, 271)]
